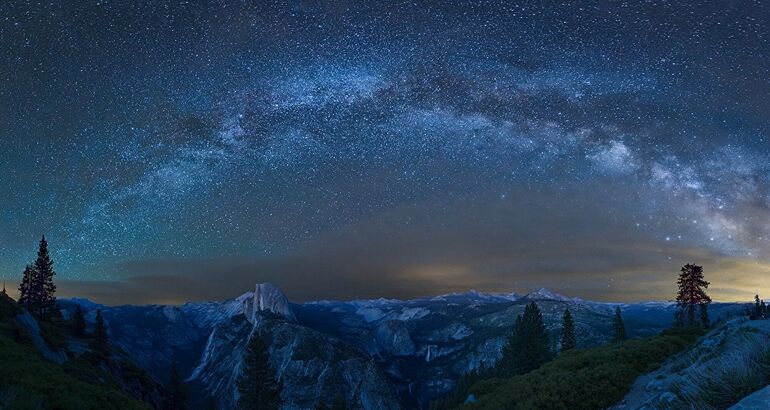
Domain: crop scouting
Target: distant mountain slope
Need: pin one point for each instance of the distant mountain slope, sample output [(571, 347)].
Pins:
[(415, 348)]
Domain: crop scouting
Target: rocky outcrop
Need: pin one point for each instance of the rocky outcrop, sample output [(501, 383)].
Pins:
[(269, 298), (725, 361), (312, 366), (759, 400), (26, 321), (393, 338)]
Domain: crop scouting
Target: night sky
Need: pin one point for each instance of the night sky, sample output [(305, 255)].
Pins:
[(185, 150)]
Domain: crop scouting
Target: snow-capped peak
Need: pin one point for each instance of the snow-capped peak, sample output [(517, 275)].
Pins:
[(476, 296), (547, 294)]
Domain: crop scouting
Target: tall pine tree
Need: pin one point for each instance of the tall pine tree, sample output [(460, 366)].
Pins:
[(527, 347), (692, 292), (618, 327), (704, 316), (25, 287), (78, 322), (757, 307), (100, 343), (258, 386), (339, 403), (567, 331), (37, 288), (176, 393)]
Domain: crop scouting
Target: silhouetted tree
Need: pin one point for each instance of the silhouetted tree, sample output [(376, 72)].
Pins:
[(704, 316), (567, 331), (25, 287), (757, 307), (79, 322), (339, 403), (320, 405), (176, 394), (619, 328), (42, 286), (258, 386), (527, 347), (691, 292), (100, 343), (679, 318)]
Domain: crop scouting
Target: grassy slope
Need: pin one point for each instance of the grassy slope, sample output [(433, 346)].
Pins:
[(27, 381), (582, 379)]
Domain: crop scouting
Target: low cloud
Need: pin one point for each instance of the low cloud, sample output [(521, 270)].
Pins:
[(490, 244)]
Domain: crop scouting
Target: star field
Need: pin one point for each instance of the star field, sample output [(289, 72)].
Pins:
[(398, 148)]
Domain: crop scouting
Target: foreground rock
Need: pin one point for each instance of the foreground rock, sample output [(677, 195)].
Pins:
[(759, 400), (726, 362)]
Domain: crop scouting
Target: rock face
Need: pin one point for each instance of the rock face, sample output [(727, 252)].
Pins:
[(393, 339), (208, 341), (759, 400), (379, 354), (269, 298), (312, 366), (718, 365), (29, 323)]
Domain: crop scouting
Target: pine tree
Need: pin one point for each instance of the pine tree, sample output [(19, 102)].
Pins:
[(258, 386), (567, 331), (100, 343), (704, 316), (679, 318), (619, 328), (25, 287), (339, 403), (757, 307), (176, 394), (691, 291), (40, 289), (79, 322), (527, 347)]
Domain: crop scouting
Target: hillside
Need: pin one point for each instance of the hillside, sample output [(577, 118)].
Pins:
[(417, 349), (30, 379), (728, 367), (725, 366), (593, 378)]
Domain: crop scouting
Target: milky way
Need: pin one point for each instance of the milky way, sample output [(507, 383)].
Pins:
[(186, 150)]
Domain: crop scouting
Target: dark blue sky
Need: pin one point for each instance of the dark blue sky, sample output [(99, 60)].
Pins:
[(185, 150)]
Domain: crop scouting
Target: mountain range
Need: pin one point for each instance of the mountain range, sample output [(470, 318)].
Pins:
[(377, 354)]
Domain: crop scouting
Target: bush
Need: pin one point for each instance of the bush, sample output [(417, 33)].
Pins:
[(53, 335)]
